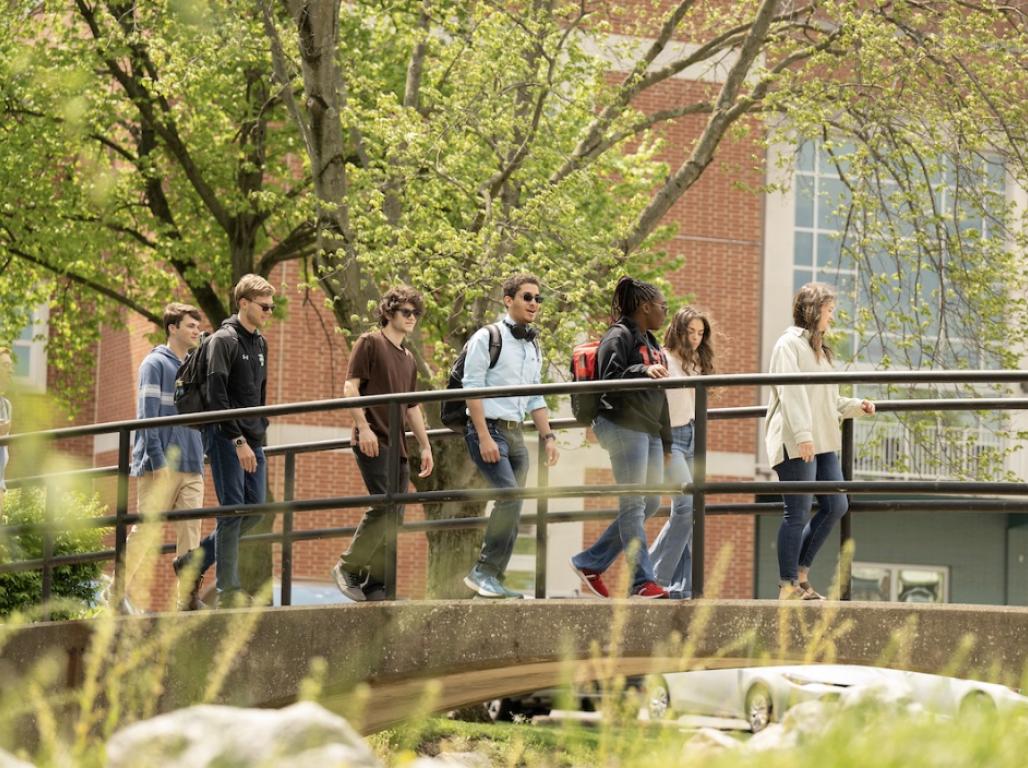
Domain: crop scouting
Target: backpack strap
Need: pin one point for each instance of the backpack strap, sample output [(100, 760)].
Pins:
[(495, 343)]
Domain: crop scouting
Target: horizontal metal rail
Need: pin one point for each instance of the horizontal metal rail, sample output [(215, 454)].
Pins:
[(700, 488)]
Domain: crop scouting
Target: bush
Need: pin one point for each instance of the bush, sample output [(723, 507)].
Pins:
[(72, 584)]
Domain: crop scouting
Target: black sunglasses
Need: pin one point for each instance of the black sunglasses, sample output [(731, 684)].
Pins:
[(265, 307), (528, 298), (409, 312)]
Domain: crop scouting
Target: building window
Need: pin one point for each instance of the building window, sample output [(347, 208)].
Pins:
[(30, 353), (889, 582), (909, 322)]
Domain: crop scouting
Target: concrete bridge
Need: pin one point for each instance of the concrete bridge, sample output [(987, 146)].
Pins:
[(476, 650)]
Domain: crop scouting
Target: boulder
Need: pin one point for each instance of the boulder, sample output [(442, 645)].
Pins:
[(304, 735), (7, 760)]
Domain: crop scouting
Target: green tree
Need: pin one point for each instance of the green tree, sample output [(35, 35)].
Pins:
[(142, 157)]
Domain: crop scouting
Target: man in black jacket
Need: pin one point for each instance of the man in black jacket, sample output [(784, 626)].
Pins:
[(237, 358)]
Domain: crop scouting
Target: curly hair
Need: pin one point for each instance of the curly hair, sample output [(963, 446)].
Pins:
[(676, 340), (513, 283), (806, 313), (395, 298)]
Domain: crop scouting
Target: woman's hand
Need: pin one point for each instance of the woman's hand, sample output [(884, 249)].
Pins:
[(806, 450), (657, 371), (868, 407)]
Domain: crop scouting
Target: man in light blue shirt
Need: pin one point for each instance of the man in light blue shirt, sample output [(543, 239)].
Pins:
[(493, 433)]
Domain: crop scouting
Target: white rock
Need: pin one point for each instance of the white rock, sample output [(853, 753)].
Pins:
[(706, 741), (304, 735), (462, 760), (809, 718), (7, 760), (775, 736)]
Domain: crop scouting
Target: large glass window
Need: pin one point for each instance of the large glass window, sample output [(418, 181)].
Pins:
[(895, 277), (29, 349)]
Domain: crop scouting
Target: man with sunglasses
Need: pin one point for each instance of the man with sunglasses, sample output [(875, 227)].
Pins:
[(381, 365), (493, 435), (237, 364)]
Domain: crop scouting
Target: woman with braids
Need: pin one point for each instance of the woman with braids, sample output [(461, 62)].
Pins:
[(634, 429), (690, 352), (802, 437)]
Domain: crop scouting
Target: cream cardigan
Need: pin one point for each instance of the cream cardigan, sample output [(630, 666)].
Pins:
[(800, 413)]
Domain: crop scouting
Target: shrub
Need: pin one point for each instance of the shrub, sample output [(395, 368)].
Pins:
[(72, 584)]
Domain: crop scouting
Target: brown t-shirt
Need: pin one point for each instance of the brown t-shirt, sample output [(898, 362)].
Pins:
[(383, 369)]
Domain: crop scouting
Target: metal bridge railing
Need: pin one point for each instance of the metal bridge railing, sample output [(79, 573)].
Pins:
[(700, 488)]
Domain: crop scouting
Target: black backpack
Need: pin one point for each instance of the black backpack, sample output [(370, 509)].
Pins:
[(191, 380), (453, 413)]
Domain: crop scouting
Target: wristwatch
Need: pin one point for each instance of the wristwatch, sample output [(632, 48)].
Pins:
[(239, 441), (550, 436)]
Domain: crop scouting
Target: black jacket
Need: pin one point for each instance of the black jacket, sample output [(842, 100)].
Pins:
[(625, 353), (237, 362)]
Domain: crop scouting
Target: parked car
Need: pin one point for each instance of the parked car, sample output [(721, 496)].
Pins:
[(761, 695)]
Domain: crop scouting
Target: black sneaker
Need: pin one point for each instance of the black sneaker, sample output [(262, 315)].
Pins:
[(234, 598), (349, 583), (192, 601), (375, 592)]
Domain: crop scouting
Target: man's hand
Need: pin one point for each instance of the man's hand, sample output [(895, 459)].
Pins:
[(806, 450), (247, 458), (868, 407), (488, 449), (657, 372), (552, 453), (427, 462), (367, 440)]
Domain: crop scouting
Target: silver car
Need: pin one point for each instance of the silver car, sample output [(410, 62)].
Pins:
[(761, 695)]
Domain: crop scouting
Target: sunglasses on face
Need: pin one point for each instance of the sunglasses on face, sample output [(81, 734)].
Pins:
[(409, 313), (265, 307), (532, 298)]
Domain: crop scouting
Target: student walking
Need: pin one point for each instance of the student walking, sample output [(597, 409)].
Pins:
[(689, 347), (802, 437), (493, 433), (380, 364), (635, 429), (237, 358), (167, 460)]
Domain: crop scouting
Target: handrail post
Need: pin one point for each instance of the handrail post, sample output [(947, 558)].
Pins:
[(699, 477), (121, 511), (49, 508), (542, 509), (846, 525), (288, 494), (392, 488)]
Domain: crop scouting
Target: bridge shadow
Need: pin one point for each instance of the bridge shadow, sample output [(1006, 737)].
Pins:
[(379, 663)]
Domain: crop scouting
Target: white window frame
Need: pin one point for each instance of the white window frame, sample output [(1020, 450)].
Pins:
[(35, 350)]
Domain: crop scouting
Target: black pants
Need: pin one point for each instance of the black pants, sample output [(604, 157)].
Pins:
[(366, 555)]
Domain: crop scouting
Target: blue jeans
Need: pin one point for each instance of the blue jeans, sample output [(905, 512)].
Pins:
[(635, 457), (233, 486), (799, 539), (671, 552), (510, 471)]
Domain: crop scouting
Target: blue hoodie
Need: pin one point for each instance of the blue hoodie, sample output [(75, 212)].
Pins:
[(156, 397)]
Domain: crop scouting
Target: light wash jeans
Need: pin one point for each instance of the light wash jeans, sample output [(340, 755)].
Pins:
[(510, 471), (635, 457), (671, 552), (799, 539)]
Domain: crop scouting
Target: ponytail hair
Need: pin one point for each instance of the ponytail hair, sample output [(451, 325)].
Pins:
[(629, 295), (806, 312)]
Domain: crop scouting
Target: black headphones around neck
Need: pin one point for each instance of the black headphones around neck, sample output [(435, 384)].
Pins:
[(521, 331)]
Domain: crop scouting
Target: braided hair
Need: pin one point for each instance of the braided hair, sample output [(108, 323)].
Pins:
[(629, 295)]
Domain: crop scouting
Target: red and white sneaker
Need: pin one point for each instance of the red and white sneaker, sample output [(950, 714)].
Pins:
[(651, 591), (592, 580)]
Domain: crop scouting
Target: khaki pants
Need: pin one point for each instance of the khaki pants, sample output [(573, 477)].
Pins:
[(176, 490)]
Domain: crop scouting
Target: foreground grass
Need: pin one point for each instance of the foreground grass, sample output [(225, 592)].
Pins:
[(882, 737)]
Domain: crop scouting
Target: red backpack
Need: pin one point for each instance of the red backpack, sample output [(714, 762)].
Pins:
[(585, 367)]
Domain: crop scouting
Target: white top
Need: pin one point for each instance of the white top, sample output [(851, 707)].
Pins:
[(799, 413), (681, 403)]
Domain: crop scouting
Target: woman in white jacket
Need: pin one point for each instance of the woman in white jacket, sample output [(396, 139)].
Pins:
[(803, 438)]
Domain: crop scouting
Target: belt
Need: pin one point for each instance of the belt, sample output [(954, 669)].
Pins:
[(507, 424)]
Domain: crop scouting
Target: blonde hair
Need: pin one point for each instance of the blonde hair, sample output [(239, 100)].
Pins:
[(250, 286), (806, 312)]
